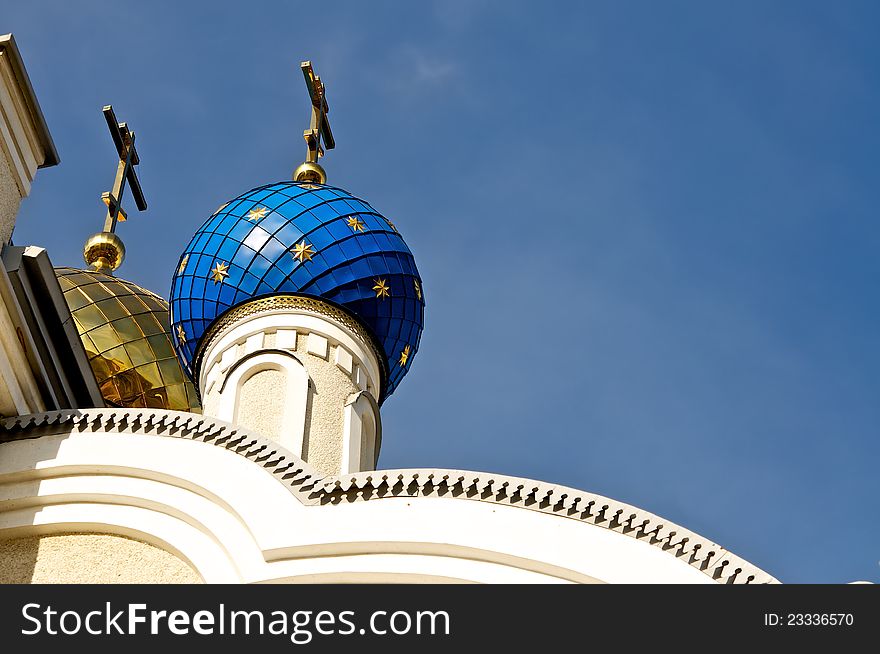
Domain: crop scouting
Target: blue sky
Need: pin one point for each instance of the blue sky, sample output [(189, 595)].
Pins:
[(647, 231)]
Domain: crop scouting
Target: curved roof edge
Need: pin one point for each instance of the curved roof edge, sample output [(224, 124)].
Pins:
[(701, 553), (313, 488)]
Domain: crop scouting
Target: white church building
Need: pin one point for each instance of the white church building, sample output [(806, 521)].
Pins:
[(231, 433)]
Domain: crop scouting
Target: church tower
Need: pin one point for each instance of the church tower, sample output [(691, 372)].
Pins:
[(297, 308), (232, 434)]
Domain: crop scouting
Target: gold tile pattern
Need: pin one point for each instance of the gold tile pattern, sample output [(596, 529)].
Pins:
[(125, 331)]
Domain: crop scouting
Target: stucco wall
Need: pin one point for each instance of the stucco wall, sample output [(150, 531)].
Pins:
[(89, 559), (263, 393), (261, 402), (259, 405), (325, 413), (10, 199)]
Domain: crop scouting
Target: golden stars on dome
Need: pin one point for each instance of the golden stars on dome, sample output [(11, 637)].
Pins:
[(418, 288), (404, 355), (218, 272), (220, 208), (356, 224), (303, 251), (257, 214), (392, 226), (183, 263), (181, 335), (381, 288)]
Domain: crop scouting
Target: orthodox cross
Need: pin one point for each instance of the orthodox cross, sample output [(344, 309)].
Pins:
[(123, 138), (319, 128)]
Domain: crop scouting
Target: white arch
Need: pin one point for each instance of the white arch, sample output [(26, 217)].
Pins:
[(292, 400), (241, 509)]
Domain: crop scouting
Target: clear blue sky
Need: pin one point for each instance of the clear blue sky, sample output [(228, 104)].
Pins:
[(648, 231)]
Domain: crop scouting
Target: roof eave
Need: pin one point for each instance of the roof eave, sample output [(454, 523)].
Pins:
[(8, 45)]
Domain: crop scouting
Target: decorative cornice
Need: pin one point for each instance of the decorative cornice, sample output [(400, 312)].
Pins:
[(313, 488), (294, 473), (708, 557), (282, 302)]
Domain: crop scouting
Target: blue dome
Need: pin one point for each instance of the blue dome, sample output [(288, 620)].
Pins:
[(306, 239)]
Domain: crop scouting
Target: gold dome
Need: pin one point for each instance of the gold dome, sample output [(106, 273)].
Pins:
[(124, 329)]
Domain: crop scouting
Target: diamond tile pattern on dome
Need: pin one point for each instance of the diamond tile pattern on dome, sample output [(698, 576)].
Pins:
[(124, 329), (306, 239)]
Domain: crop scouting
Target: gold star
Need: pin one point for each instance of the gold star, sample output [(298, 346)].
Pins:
[(181, 335), (418, 288), (356, 224), (381, 288), (182, 264), (392, 226), (257, 214), (404, 356), (303, 251), (218, 272)]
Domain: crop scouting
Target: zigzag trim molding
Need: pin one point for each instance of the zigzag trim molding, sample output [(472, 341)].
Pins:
[(313, 488)]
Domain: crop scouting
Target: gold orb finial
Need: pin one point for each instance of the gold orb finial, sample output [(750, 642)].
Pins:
[(104, 252), (311, 172)]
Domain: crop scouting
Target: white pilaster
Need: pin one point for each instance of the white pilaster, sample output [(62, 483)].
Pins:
[(25, 143)]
